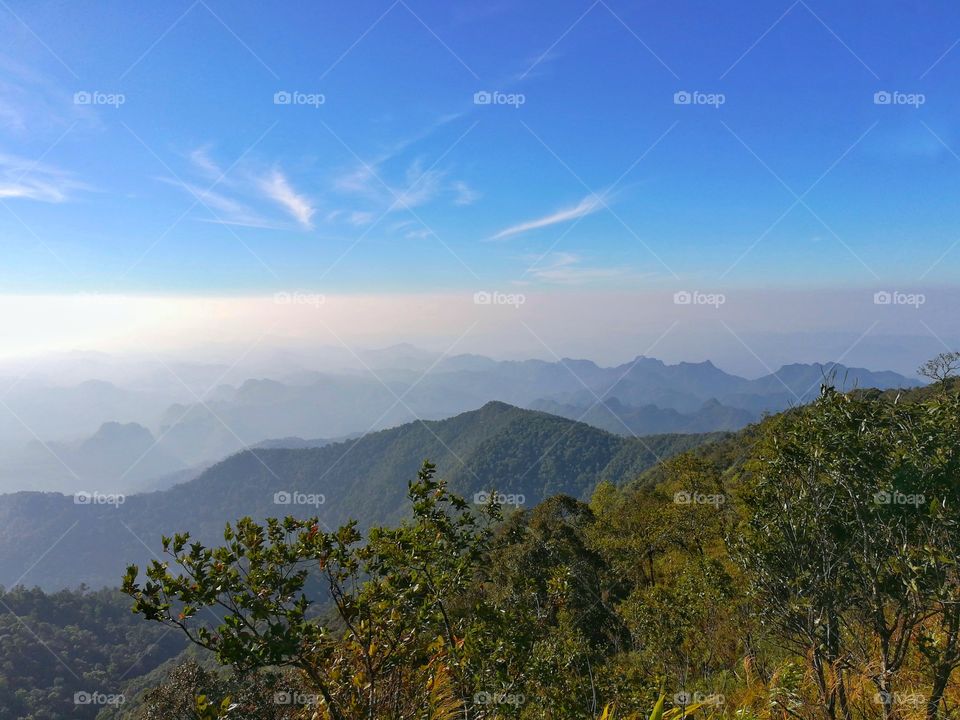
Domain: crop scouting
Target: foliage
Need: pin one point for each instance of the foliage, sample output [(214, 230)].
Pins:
[(191, 692), (393, 595), (805, 568), (851, 539), (62, 654)]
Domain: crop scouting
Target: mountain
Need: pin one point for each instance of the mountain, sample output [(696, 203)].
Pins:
[(330, 406), (652, 392), (69, 646), (290, 443), (54, 541), (397, 385), (616, 417), (803, 381), (116, 457), (33, 409)]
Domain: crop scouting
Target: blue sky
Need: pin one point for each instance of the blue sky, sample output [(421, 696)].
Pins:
[(198, 182)]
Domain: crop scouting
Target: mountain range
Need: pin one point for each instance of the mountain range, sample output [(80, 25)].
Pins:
[(124, 438), (55, 541)]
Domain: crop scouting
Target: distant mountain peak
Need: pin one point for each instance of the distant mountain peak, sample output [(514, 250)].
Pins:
[(118, 436), (704, 364), (647, 360), (497, 406), (579, 362), (113, 429)]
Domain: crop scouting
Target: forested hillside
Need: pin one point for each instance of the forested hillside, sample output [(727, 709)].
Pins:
[(69, 655), (731, 577), (804, 568), (527, 454)]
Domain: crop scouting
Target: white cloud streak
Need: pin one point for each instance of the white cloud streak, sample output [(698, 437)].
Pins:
[(565, 268), (589, 205), (278, 188), (25, 179)]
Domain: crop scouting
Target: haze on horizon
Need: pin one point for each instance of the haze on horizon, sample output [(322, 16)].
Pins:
[(748, 332)]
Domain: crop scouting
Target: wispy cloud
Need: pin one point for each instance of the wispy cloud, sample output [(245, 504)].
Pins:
[(246, 196), (465, 195), (33, 103), (418, 186), (227, 210), (589, 205), (566, 268), (200, 158), (390, 183), (422, 186), (278, 188), (360, 218), (27, 179)]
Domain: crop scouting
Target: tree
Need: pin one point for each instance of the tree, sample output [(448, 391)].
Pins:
[(664, 550), (852, 537), (941, 368), (190, 692), (397, 645)]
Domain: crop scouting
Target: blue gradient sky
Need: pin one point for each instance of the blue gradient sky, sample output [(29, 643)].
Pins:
[(199, 183)]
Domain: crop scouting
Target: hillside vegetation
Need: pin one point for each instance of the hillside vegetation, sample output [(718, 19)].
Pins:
[(530, 455), (69, 655), (805, 568)]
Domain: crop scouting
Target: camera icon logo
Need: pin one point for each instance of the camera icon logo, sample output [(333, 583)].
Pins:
[(882, 97), (282, 498), (882, 298), (282, 97), (683, 297), (482, 97), (682, 97)]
